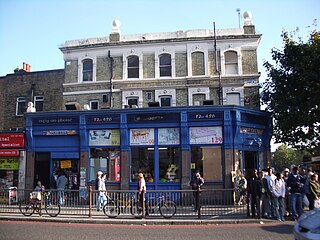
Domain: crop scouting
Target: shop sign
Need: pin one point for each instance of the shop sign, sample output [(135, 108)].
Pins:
[(59, 132), (110, 118), (65, 164), (202, 116), (247, 130), (106, 137), (205, 135), (54, 121), (144, 136), (9, 153), (15, 140), (9, 164), (154, 118)]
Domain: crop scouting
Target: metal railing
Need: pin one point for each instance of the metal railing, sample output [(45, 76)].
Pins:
[(215, 203)]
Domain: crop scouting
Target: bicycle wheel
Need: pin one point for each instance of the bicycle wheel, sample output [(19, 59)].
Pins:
[(168, 209), (52, 209), (111, 209), (27, 209)]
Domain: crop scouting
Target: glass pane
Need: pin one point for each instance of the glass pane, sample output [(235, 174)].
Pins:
[(169, 164), (39, 106), (133, 101), (94, 105), (165, 101), (133, 72), (106, 160), (165, 71), (142, 161), (165, 59), (87, 65), (133, 61)]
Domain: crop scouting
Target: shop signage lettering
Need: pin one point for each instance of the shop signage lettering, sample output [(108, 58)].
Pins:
[(11, 140), (65, 164), (59, 132), (9, 164), (154, 118), (200, 116), (246, 130), (9, 153), (60, 120), (103, 119)]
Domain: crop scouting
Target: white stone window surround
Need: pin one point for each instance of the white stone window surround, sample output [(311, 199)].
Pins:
[(80, 67), (197, 90), (223, 62), (197, 47), (132, 52), (132, 94), (164, 50), (91, 102), (166, 92), (235, 89)]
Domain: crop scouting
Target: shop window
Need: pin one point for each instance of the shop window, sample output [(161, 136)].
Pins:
[(142, 161), (169, 164), (106, 160), (231, 62), (87, 70), (165, 65), (133, 67), (208, 161), (38, 103), (20, 106)]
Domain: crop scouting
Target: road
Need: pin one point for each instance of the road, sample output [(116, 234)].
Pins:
[(10, 230)]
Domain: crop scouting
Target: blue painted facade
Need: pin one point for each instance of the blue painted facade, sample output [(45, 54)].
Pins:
[(62, 139)]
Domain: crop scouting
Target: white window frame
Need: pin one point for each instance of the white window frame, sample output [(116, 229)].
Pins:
[(20, 100), (94, 101), (38, 99)]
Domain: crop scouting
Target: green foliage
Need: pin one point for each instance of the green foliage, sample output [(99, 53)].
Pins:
[(292, 92), (284, 157)]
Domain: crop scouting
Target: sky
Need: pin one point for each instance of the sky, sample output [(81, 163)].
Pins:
[(31, 31)]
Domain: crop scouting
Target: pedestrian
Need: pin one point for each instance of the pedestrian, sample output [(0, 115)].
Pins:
[(96, 187), (255, 191), (270, 208), (142, 188), (196, 184), (61, 185), (296, 182), (278, 189), (314, 189), (307, 190), (37, 193), (287, 201), (242, 188), (102, 190)]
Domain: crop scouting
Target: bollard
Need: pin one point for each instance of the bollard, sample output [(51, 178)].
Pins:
[(90, 201)]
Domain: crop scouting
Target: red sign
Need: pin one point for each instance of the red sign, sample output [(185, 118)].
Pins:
[(9, 153), (12, 140)]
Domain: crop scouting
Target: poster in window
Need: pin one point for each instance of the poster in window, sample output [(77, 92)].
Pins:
[(205, 135), (168, 136), (143, 136), (106, 137)]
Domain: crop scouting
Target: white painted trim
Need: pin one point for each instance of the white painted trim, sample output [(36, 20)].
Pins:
[(197, 90), (89, 92)]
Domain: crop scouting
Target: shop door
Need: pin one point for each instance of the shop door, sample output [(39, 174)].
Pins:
[(42, 169), (250, 161)]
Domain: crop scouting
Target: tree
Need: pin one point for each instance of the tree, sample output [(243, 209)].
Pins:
[(284, 157), (291, 92)]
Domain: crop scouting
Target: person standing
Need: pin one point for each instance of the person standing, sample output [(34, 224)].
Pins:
[(270, 177), (242, 187), (61, 185), (255, 191), (287, 201), (102, 190), (196, 184), (296, 182), (314, 189), (278, 189), (142, 188), (96, 187)]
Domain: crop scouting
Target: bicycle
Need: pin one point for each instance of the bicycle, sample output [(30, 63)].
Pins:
[(34, 204), (110, 207), (167, 208)]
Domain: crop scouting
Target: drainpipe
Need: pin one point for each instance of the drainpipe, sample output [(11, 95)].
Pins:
[(216, 63), (111, 76)]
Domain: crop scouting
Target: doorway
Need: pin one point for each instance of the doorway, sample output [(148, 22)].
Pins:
[(250, 161), (42, 169)]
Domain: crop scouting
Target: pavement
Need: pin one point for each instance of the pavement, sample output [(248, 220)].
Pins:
[(129, 220)]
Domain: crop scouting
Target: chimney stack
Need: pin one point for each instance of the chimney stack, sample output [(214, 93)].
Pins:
[(26, 67)]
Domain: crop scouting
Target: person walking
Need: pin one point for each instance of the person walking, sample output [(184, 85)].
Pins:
[(196, 184), (142, 188), (278, 189), (61, 185), (296, 182), (96, 187), (102, 190), (314, 189)]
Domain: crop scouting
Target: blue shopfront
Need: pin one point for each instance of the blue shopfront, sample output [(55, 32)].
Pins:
[(166, 144)]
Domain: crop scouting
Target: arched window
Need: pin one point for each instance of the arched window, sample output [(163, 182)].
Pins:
[(231, 62), (133, 67), (87, 70), (197, 63), (165, 65)]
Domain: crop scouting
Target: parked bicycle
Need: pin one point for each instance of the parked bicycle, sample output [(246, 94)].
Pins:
[(110, 207), (166, 207), (34, 205)]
